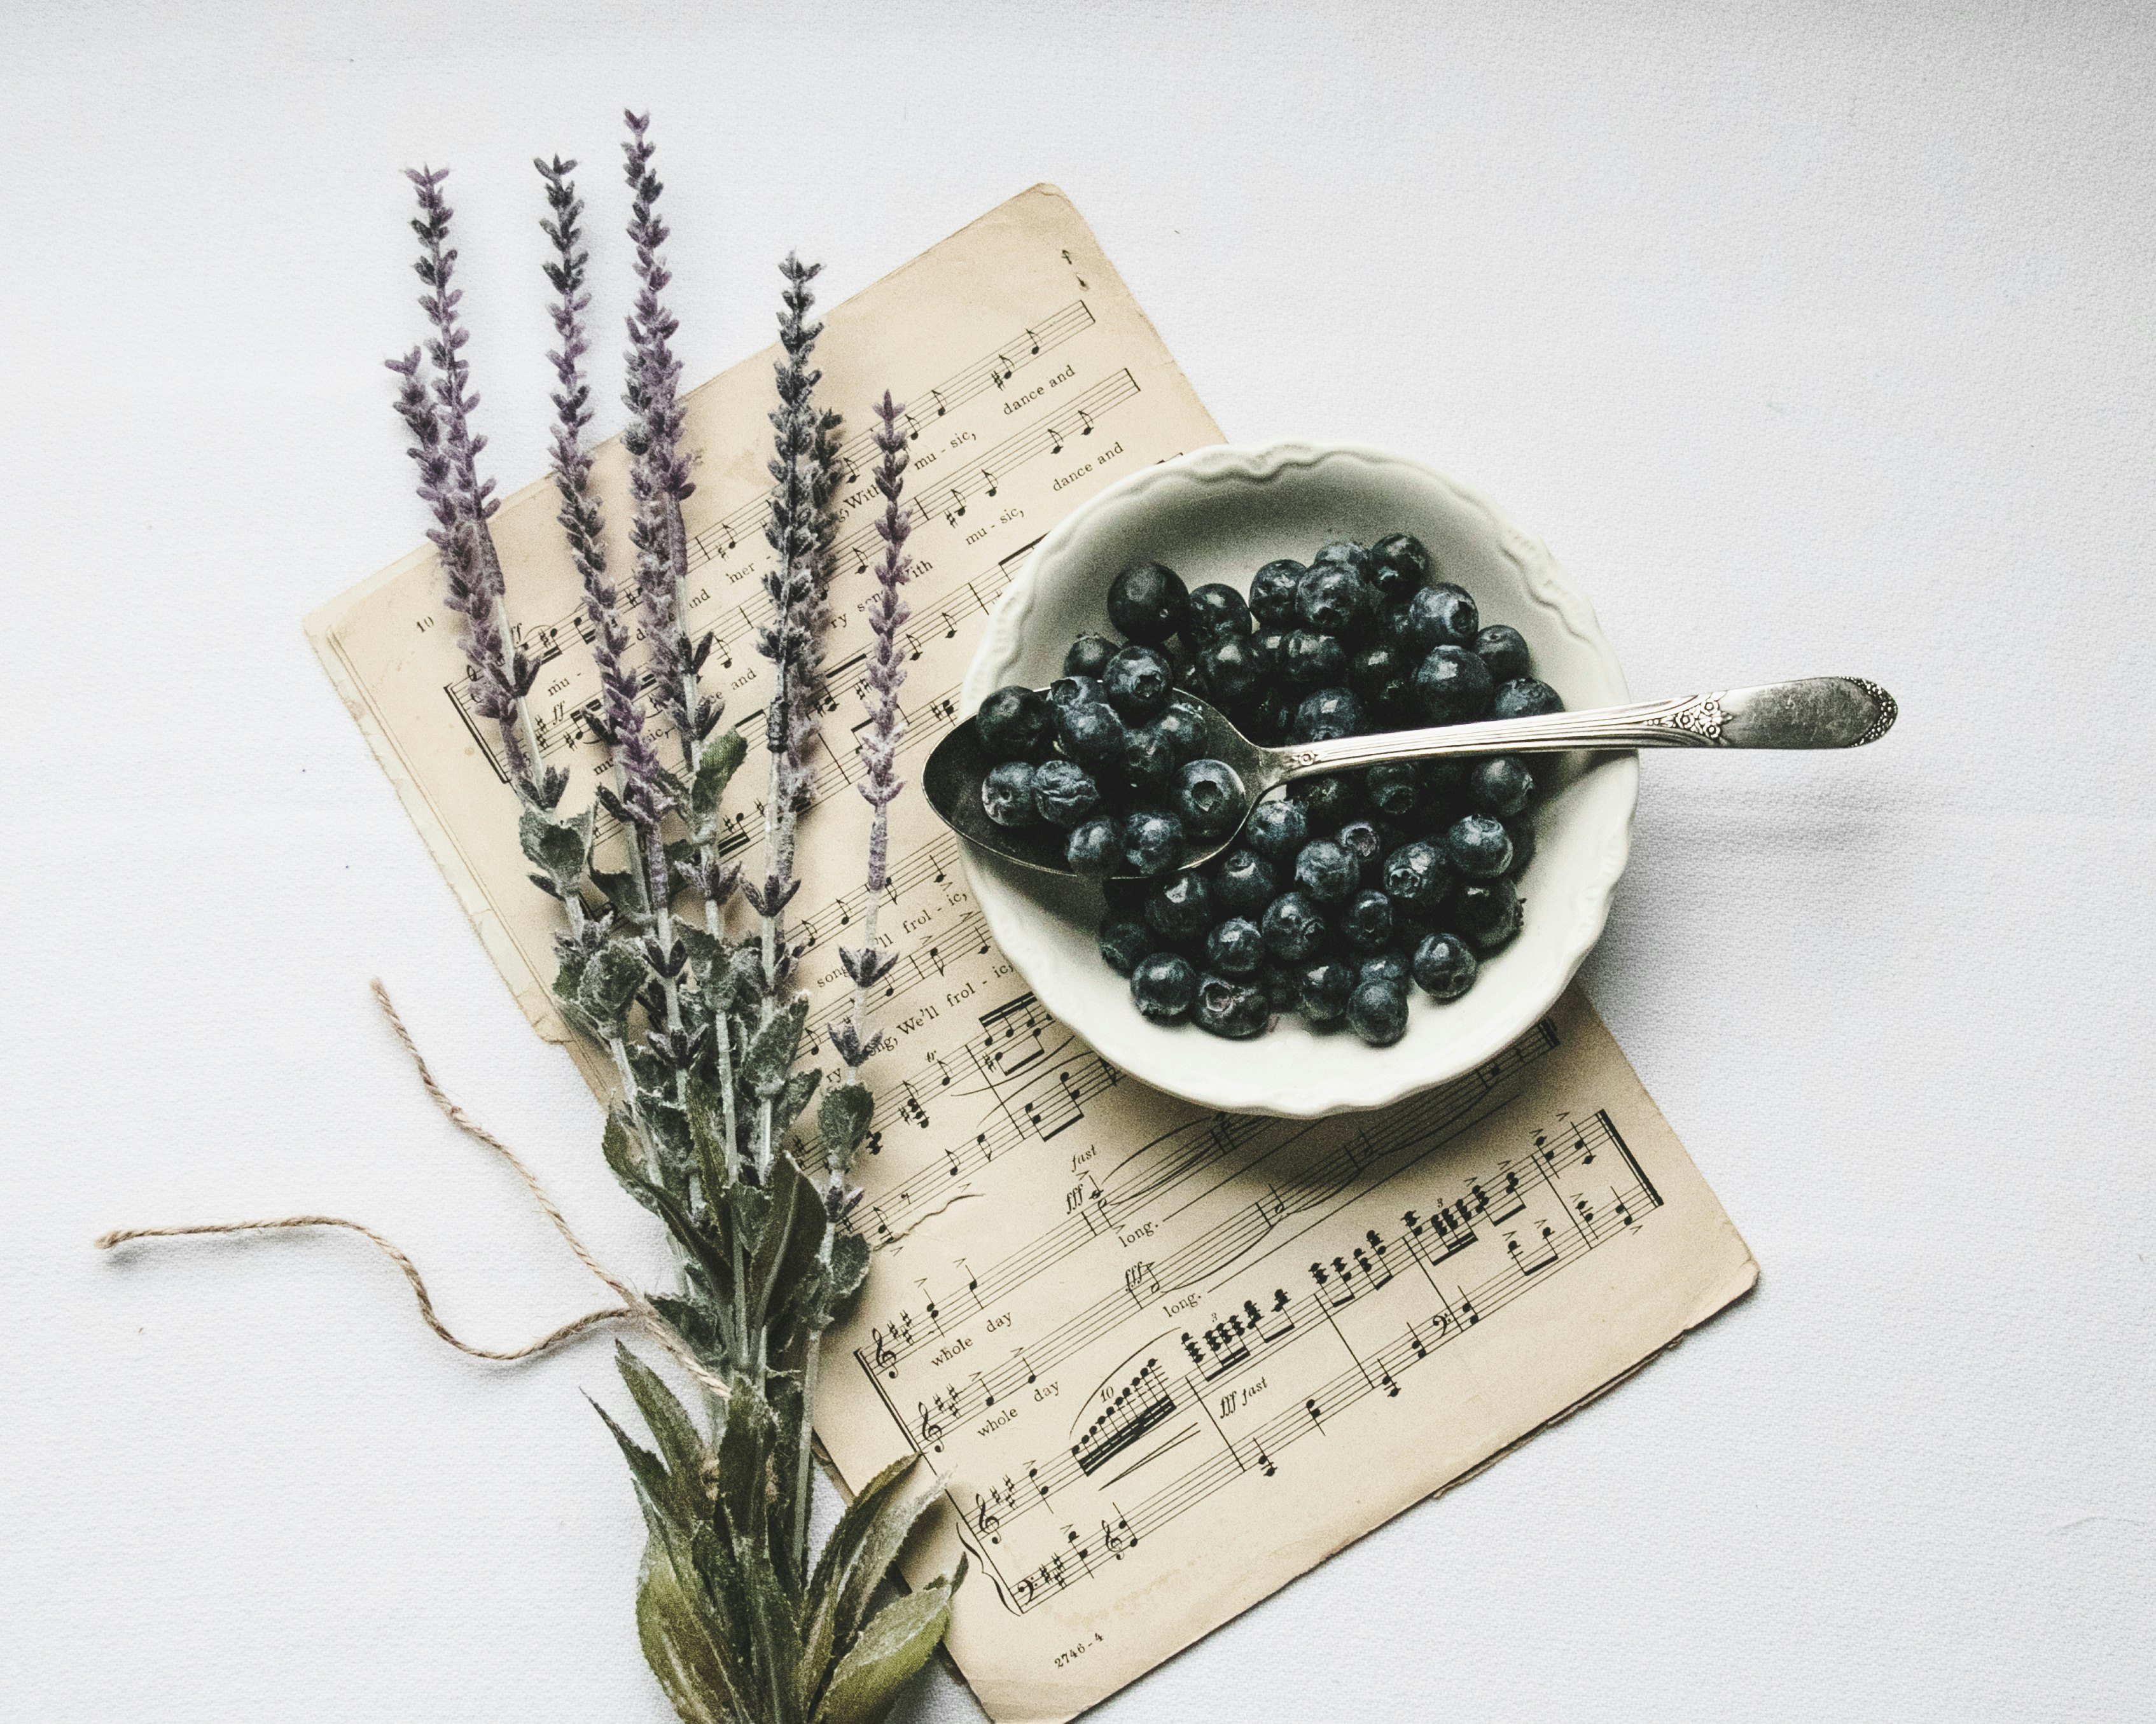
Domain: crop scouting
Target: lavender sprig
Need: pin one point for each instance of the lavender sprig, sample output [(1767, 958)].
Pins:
[(638, 799), (446, 452), (880, 784)]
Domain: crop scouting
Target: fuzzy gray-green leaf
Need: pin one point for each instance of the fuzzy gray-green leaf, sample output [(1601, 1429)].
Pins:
[(686, 1651), (849, 1264), (610, 981), (707, 1132), (680, 1444), (722, 755), (842, 1550), (889, 1655), (800, 1090), (877, 1548), (619, 1150), (557, 848), (769, 1056), (842, 1121)]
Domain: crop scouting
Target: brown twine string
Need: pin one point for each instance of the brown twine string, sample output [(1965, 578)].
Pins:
[(634, 1304)]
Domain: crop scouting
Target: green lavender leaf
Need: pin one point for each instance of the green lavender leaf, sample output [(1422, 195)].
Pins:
[(696, 1324), (849, 1265), (610, 981), (654, 1488), (722, 754), (800, 1090), (842, 1551), (744, 1471), (842, 1119), (680, 1445), (686, 1650), (707, 962), (769, 1056), (901, 1640), (877, 1548), (559, 849), (775, 1620), (625, 893), (618, 1148), (707, 1132)]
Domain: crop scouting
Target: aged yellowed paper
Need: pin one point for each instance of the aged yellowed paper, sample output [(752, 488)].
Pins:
[(1165, 1360)]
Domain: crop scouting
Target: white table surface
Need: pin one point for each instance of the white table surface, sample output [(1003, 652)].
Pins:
[(1812, 337)]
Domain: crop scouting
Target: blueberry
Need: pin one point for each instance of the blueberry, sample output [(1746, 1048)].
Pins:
[(1231, 667), (1354, 555), (1095, 847), (1152, 842), (1269, 718), (1245, 882), (1162, 986), (1310, 661), (1362, 839), (1190, 681), (1443, 967), (1387, 966), (1487, 912), (1523, 697), (1088, 655), (1124, 941), (1330, 597), (1183, 725), (1065, 793), (1444, 784), (1521, 832), (1235, 947), (1237, 1010), (1278, 828), (1443, 615), (1398, 564), (1500, 785), (1380, 672), (1322, 995), (1328, 870), (1268, 646), (1478, 846), (1136, 683), (1282, 984), (1504, 649), (1330, 800), (1293, 927), (1327, 714), (1210, 797), (1181, 909), (1415, 878), (1273, 591), (1453, 685), (1015, 724), (1394, 787), (1090, 733), (1377, 1012), (1147, 603), (1366, 923), (1215, 610), (1148, 761), (1076, 692), (1006, 793), (1124, 896)]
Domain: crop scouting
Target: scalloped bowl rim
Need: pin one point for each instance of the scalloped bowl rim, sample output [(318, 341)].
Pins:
[(1204, 1070)]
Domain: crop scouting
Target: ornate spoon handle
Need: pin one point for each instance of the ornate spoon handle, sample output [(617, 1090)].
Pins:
[(1813, 712)]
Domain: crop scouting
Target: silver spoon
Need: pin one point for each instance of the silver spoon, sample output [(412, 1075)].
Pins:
[(1813, 712)]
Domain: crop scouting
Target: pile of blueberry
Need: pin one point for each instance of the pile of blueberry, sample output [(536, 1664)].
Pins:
[(1338, 894)]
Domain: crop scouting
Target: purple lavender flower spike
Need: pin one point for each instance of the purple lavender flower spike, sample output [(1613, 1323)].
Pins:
[(638, 798), (867, 964), (446, 452)]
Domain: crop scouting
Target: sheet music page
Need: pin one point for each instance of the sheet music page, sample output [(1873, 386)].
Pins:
[(1165, 1360)]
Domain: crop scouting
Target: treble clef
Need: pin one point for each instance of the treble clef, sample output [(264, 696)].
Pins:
[(986, 1519), (930, 1429), (882, 1357)]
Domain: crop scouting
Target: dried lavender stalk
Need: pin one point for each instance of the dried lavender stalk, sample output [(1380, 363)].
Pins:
[(887, 614), (866, 964), (446, 452), (638, 799)]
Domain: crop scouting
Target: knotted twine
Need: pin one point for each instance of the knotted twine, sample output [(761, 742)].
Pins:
[(634, 1304)]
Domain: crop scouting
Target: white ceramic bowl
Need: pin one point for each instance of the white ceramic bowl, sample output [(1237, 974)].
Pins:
[(1218, 514)]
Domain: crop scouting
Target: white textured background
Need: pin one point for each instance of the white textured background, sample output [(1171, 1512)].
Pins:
[(1813, 338)]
